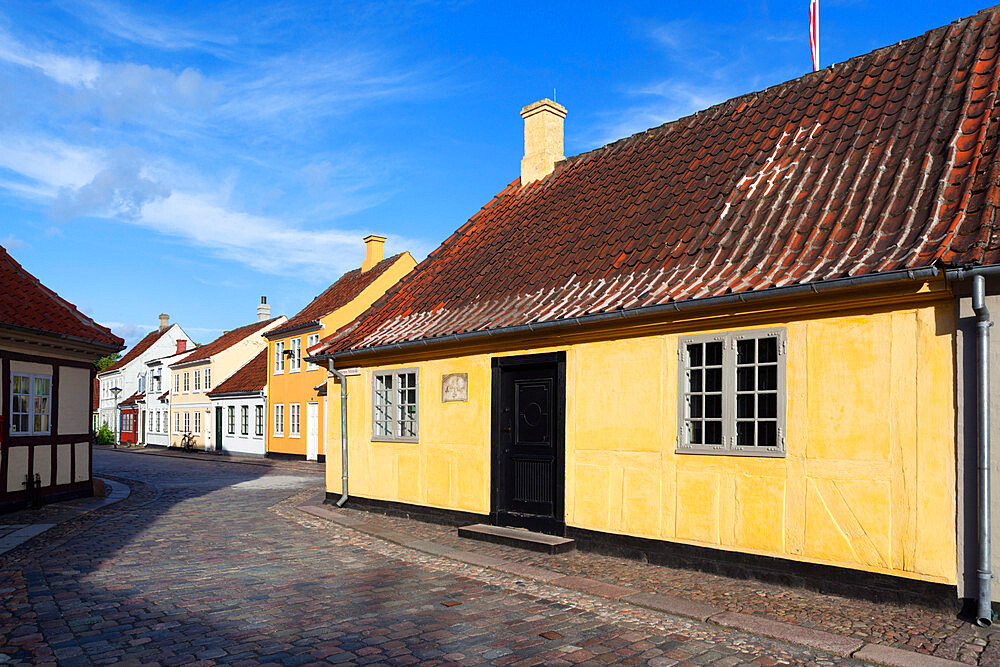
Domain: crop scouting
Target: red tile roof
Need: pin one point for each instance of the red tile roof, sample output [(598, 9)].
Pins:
[(138, 396), (223, 342), (251, 377), (137, 349), (26, 302), (881, 163), (348, 286)]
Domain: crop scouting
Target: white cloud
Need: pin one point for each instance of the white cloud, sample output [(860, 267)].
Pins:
[(119, 190), (11, 242)]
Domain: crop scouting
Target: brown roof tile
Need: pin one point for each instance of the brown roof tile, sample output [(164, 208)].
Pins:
[(335, 296), (26, 302), (884, 162), (251, 377), (223, 342)]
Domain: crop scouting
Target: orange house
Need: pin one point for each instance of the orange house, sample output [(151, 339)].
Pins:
[(296, 390)]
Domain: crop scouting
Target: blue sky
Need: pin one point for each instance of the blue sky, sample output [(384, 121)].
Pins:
[(190, 158)]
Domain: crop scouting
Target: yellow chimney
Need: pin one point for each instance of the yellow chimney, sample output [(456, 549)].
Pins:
[(543, 139), (373, 251)]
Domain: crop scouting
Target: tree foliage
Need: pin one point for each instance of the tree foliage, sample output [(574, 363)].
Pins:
[(104, 362), (105, 436)]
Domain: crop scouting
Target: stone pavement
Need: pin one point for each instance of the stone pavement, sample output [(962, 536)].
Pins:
[(210, 562), (18, 527), (914, 629)]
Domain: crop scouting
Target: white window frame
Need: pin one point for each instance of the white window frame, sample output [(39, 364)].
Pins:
[(187, 382), (158, 416), (197, 381), (197, 422), (385, 406), (177, 383), (294, 419), (312, 340), (208, 379), (244, 420), (30, 414), (279, 420), (295, 361), (177, 422), (279, 357), (258, 428), (187, 422), (231, 420), (730, 393)]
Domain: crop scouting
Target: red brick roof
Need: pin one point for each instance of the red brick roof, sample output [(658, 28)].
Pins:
[(251, 377), (884, 162), (137, 349), (26, 302), (223, 342), (335, 296)]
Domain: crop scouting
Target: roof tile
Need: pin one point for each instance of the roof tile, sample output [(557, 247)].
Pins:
[(252, 376)]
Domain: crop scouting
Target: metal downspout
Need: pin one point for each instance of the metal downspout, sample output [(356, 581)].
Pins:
[(984, 605), (343, 431)]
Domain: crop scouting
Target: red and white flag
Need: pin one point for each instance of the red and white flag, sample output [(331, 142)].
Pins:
[(814, 32)]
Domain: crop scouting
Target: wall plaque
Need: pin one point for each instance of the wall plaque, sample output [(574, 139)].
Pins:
[(454, 387)]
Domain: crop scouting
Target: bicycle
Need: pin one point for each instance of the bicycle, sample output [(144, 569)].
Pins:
[(187, 442)]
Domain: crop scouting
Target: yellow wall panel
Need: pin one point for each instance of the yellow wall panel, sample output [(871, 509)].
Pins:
[(759, 512), (698, 506)]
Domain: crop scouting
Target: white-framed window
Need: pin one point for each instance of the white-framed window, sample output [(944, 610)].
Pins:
[(157, 429), (312, 340), (208, 379), (293, 419), (244, 420), (30, 404), (197, 380), (177, 422), (187, 382), (197, 422), (731, 393), (395, 405), (258, 420), (279, 357), (177, 383), (187, 422), (279, 420), (231, 414), (295, 361), (149, 420)]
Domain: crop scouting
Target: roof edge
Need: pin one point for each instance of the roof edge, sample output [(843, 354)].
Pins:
[(903, 275)]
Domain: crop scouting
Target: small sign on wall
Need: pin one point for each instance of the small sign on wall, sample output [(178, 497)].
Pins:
[(454, 387)]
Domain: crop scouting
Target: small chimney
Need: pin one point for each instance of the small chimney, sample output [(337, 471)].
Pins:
[(263, 310), (164, 322), (182, 346), (543, 139), (373, 251)]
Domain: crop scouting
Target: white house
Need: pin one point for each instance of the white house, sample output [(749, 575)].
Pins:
[(128, 374), (239, 404), (156, 403)]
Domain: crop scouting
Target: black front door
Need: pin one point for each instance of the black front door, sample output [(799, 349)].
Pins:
[(528, 446)]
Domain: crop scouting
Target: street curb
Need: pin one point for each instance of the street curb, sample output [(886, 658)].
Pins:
[(266, 463), (820, 640)]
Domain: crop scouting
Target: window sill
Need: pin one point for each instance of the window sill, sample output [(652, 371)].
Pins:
[(412, 441), (279, 435), (295, 435), (709, 451)]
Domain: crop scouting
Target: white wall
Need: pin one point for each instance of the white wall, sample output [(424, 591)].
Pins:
[(236, 443)]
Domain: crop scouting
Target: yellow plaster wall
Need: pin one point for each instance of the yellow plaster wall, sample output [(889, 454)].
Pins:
[(300, 387), (867, 481)]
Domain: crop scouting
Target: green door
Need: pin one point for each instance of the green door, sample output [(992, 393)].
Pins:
[(218, 429)]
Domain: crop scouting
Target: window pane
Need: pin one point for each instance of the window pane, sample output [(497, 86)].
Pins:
[(713, 354), (744, 379), (744, 351), (767, 434), (694, 406), (713, 433), (694, 380), (767, 378), (744, 433), (696, 433), (713, 379), (767, 406), (744, 406), (42, 386), (767, 349), (713, 406), (694, 354)]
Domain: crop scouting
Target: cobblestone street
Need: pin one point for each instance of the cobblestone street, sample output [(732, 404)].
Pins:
[(210, 562)]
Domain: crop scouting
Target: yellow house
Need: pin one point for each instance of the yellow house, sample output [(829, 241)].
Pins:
[(296, 390), (195, 420), (733, 342)]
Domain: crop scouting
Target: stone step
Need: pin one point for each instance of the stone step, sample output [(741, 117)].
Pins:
[(517, 537)]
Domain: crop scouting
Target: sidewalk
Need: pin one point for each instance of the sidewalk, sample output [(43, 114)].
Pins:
[(878, 633), (298, 466), (18, 527)]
